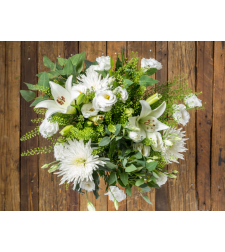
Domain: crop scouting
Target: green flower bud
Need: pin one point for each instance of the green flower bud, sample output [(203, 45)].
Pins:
[(172, 176), (135, 129), (88, 123), (44, 166), (168, 143), (154, 98), (116, 204), (66, 130), (175, 171), (97, 119), (90, 206), (80, 99), (128, 112), (53, 168)]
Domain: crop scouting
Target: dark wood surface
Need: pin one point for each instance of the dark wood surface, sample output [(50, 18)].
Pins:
[(200, 184)]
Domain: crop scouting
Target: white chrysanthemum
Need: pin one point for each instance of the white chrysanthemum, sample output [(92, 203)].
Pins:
[(123, 93), (94, 80), (150, 63), (78, 163), (48, 129), (144, 149), (88, 110), (192, 101), (181, 115), (104, 62), (118, 194), (161, 180), (59, 151), (87, 185), (104, 100), (174, 141)]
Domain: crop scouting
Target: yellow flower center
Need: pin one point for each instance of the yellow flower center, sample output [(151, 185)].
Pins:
[(79, 162), (106, 97), (92, 109)]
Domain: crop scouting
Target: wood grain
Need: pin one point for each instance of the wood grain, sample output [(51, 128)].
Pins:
[(10, 62), (93, 50), (182, 190), (218, 130), (204, 122), (29, 165), (135, 202)]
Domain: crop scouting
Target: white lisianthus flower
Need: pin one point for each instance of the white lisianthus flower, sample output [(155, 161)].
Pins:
[(144, 149), (192, 101), (79, 89), (48, 129), (104, 62), (181, 115), (122, 92), (135, 136), (157, 142), (59, 151), (174, 141), (150, 63), (118, 194), (78, 163), (88, 110), (104, 100), (161, 180), (87, 185)]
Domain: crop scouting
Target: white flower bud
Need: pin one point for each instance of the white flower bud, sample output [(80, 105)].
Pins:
[(116, 204), (48, 129), (90, 206)]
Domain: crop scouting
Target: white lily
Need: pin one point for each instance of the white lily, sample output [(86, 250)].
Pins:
[(63, 98), (147, 121)]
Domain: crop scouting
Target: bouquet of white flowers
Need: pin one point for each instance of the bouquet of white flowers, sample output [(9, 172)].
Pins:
[(113, 122)]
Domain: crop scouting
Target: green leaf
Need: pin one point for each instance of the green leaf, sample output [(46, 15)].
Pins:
[(127, 83), (120, 182), (139, 182), (44, 80), (78, 60), (39, 99), (151, 165), (124, 178), (152, 184), (27, 95), (110, 165), (96, 181), (128, 190), (112, 178), (151, 71), (118, 63), (107, 131), (68, 68), (118, 138), (62, 61), (52, 74), (103, 73), (124, 162), (112, 148), (147, 81), (118, 128), (138, 155), (146, 199), (112, 128), (155, 175), (130, 168), (48, 63), (146, 189), (141, 162), (105, 141)]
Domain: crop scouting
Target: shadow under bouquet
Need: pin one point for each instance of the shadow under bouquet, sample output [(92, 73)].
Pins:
[(114, 122)]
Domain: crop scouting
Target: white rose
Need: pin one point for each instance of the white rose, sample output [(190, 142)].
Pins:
[(135, 136), (48, 129), (104, 100), (88, 110), (78, 89), (192, 101), (59, 151), (122, 92), (151, 63), (104, 62), (181, 115), (161, 180), (87, 185), (118, 194), (157, 142), (144, 149)]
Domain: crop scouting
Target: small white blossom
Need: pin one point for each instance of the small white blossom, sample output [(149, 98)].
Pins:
[(181, 115), (118, 194), (192, 101), (150, 63), (104, 62), (135, 136), (88, 110), (87, 185), (122, 92), (59, 151), (104, 100), (48, 129), (144, 149), (90, 206), (157, 142), (161, 180)]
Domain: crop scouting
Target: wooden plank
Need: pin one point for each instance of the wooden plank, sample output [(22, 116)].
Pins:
[(29, 165), (51, 195), (182, 190), (72, 197), (218, 130), (145, 49), (93, 50), (113, 48), (204, 122), (162, 199), (10, 61)]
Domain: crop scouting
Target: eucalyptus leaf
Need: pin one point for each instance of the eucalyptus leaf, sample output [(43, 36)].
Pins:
[(124, 178), (130, 168), (151, 71), (27, 95), (118, 128), (105, 141), (62, 61), (110, 165), (48, 63), (68, 68), (139, 182), (112, 178), (147, 81), (146, 199), (151, 165), (155, 175), (39, 99), (112, 128), (127, 83), (146, 189), (44, 80), (128, 190)]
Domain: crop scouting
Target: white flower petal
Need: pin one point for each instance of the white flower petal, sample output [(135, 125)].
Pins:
[(159, 111), (146, 109), (68, 84), (47, 104), (52, 111)]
